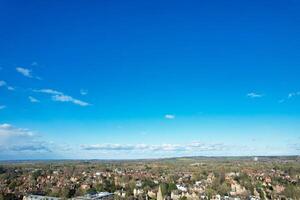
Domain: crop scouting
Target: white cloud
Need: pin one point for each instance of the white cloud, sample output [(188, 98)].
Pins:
[(254, 95), (9, 130), (33, 100), (23, 143), (169, 116), (108, 147), (281, 101), (34, 64), (2, 83), (31, 147), (192, 147), (5, 126), (83, 92), (289, 96), (10, 88), (13, 139), (11, 135), (293, 94), (24, 72), (27, 73), (66, 98), (2, 107), (61, 97), (48, 91)]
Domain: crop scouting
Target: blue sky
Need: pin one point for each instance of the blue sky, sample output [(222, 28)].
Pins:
[(137, 79)]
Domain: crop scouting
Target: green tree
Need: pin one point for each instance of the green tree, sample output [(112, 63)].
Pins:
[(210, 192), (65, 192), (171, 187), (223, 189), (292, 191), (91, 191), (164, 189)]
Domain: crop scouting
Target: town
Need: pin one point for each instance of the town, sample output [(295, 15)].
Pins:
[(190, 178)]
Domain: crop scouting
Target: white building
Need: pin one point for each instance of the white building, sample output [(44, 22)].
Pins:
[(39, 197), (97, 196), (181, 188)]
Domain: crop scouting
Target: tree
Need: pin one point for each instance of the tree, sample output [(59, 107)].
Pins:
[(148, 183), (261, 193), (224, 189), (210, 193), (91, 191), (79, 192), (36, 174), (99, 187), (171, 187), (292, 191), (2, 170), (164, 188), (65, 192)]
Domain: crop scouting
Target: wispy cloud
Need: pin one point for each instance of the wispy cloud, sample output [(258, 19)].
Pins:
[(66, 98), (290, 96), (9, 130), (169, 116), (293, 94), (25, 72), (10, 88), (61, 97), (281, 101), (196, 146), (14, 139), (31, 147), (2, 107), (34, 64), (4, 84), (83, 92), (48, 91), (254, 95), (108, 147), (33, 99), (10, 135)]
